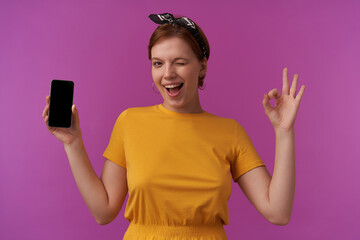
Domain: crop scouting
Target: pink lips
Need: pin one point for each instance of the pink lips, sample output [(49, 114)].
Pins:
[(175, 94)]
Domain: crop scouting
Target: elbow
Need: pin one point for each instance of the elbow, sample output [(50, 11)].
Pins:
[(105, 217), (280, 221), (103, 221), (100, 222)]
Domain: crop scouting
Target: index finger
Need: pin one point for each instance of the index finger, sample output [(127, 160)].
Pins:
[(285, 89), (47, 99)]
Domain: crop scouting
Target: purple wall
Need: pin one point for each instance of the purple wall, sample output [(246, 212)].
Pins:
[(102, 47)]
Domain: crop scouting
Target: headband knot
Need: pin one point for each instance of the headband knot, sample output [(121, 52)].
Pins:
[(183, 21)]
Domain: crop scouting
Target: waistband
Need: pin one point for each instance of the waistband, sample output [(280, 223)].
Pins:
[(140, 231)]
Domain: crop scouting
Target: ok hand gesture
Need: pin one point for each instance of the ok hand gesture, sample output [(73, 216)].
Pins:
[(283, 115)]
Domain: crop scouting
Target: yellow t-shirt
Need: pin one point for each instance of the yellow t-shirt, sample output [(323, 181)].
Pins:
[(179, 169)]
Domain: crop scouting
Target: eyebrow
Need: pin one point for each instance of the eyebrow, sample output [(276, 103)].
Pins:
[(179, 58)]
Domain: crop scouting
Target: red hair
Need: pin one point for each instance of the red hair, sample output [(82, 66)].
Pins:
[(176, 30)]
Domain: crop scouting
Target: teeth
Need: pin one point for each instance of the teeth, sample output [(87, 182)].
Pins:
[(173, 86)]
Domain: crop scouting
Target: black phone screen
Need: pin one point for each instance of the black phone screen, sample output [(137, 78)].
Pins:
[(61, 100)]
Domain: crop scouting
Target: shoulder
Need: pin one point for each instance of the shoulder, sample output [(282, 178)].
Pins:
[(136, 115), (234, 128), (226, 125), (136, 111), (224, 121), (132, 116)]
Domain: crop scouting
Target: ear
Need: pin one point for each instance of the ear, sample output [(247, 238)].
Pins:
[(203, 67)]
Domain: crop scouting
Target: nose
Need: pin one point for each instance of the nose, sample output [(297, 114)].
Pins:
[(170, 72)]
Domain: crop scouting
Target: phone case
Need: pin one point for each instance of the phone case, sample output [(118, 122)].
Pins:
[(61, 100)]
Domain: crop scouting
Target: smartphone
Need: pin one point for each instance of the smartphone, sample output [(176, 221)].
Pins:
[(61, 100)]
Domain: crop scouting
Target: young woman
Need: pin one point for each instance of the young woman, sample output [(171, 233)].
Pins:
[(177, 160)]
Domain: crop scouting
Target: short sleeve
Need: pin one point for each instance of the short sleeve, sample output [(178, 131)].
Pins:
[(246, 158), (115, 151)]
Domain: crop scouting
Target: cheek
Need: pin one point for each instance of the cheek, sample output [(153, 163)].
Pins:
[(192, 74), (155, 75)]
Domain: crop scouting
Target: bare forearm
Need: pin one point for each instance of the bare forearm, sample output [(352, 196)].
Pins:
[(282, 185), (89, 184)]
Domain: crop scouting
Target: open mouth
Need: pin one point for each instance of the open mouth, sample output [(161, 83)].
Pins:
[(173, 89)]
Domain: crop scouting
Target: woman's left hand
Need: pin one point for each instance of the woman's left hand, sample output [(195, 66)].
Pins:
[(283, 115)]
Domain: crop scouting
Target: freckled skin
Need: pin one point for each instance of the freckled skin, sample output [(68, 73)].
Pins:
[(173, 61)]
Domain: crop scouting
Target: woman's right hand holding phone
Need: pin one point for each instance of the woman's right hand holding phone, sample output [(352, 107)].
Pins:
[(65, 135)]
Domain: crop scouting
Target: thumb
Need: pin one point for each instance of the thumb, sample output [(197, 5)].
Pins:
[(266, 103), (76, 113), (73, 109)]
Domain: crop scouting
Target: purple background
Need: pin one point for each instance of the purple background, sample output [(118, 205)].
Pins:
[(102, 47)]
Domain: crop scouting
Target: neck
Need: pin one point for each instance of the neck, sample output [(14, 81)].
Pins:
[(189, 109), (193, 107)]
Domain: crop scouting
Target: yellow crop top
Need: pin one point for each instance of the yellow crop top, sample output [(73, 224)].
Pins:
[(179, 169)]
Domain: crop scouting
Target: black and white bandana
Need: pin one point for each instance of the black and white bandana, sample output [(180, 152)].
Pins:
[(183, 21)]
